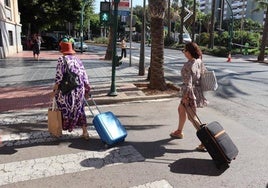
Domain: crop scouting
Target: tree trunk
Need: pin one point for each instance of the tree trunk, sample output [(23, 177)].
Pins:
[(194, 18), (264, 39), (211, 35), (157, 80), (109, 50), (169, 21), (157, 12), (182, 21)]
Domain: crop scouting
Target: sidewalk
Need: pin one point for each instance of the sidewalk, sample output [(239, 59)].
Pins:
[(29, 91)]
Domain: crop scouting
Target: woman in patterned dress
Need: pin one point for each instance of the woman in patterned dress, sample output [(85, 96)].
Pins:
[(192, 94), (72, 104)]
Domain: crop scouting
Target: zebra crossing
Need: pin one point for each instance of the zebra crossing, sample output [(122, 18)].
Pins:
[(49, 166), (148, 57)]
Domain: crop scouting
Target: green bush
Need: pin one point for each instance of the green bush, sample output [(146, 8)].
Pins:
[(204, 39), (169, 41), (101, 40)]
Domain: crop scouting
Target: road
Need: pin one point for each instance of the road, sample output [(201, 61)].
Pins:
[(148, 158), (243, 85)]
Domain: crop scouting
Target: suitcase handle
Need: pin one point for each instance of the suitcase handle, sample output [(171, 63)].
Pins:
[(190, 114), (95, 104)]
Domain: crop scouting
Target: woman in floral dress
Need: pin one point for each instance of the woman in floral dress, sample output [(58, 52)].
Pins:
[(72, 104), (192, 94)]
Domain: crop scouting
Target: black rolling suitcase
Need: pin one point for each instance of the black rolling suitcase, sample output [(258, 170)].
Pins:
[(216, 141)]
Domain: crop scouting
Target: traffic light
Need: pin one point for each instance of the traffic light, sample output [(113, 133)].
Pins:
[(104, 12), (104, 17)]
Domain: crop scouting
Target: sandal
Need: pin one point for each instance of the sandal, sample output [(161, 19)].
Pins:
[(201, 147), (176, 135)]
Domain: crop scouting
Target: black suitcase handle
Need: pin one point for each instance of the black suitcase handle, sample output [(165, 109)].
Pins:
[(197, 126)]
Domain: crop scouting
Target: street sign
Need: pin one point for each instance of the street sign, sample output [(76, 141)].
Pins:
[(123, 13), (123, 5)]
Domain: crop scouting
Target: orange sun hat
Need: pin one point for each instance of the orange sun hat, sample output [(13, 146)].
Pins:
[(66, 48)]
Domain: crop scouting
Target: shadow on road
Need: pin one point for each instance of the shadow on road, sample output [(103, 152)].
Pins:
[(193, 166)]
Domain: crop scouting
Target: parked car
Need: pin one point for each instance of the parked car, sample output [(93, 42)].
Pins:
[(186, 38), (50, 43), (77, 46)]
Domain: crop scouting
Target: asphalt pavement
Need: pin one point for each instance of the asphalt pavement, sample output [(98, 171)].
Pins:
[(31, 157)]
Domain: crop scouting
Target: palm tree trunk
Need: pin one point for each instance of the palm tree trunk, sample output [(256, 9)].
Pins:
[(157, 80), (264, 39), (157, 12)]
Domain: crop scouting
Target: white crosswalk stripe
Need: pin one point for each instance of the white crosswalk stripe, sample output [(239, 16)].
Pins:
[(30, 169), (155, 184), (69, 163), (148, 57)]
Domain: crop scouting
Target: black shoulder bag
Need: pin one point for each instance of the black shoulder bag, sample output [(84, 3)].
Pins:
[(69, 80)]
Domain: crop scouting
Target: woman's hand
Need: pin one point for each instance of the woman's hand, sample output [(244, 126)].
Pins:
[(54, 91), (185, 100), (52, 94)]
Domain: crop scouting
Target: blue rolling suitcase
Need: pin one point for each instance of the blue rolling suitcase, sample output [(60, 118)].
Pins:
[(108, 126)]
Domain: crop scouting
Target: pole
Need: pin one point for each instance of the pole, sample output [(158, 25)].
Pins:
[(130, 34), (81, 27), (114, 61), (142, 50)]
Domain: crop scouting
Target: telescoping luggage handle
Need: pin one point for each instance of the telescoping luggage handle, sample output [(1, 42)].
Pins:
[(95, 104)]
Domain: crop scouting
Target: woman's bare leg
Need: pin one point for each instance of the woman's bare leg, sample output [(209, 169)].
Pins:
[(85, 133), (182, 117)]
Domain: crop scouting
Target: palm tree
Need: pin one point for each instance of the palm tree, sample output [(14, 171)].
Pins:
[(263, 5), (157, 12)]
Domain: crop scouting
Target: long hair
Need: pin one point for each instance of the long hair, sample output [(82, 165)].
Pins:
[(194, 50)]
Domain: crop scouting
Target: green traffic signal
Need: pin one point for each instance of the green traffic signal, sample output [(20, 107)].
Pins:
[(104, 17)]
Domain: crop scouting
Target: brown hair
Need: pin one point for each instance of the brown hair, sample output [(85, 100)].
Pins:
[(194, 50)]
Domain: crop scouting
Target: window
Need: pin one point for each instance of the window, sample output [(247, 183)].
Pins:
[(1, 42), (7, 3), (10, 38)]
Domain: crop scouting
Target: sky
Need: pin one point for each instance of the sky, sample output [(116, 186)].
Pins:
[(134, 3)]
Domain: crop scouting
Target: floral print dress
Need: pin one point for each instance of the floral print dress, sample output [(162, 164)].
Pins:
[(72, 104), (191, 88)]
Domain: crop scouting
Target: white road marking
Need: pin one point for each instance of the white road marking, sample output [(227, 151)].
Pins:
[(69, 163), (155, 184), (10, 140)]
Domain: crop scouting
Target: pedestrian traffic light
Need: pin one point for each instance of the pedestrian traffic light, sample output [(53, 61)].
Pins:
[(104, 17), (104, 12)]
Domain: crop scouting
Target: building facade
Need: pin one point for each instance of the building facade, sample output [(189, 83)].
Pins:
[(10, 28), (239, 8)]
